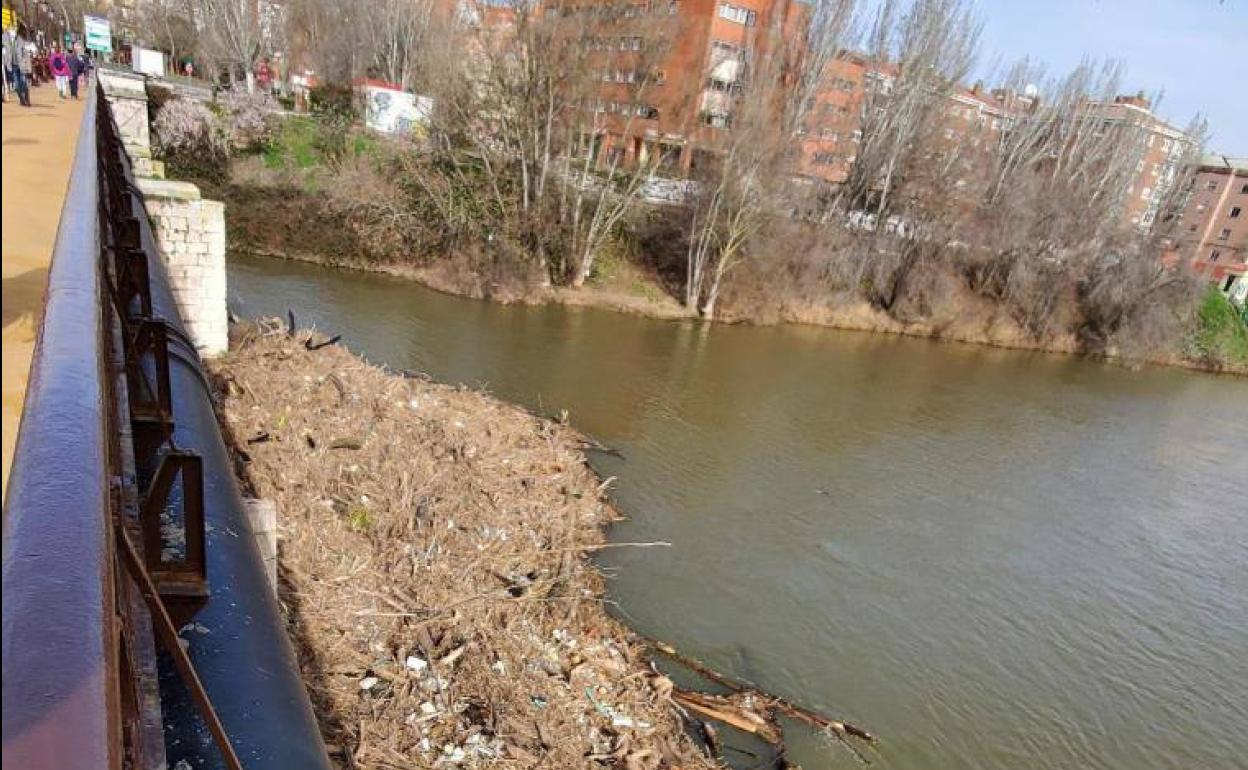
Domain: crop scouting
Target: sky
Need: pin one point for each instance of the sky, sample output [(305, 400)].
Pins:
[(1195, 51)]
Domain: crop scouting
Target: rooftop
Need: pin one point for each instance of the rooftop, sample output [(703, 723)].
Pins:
[(1220, 162)]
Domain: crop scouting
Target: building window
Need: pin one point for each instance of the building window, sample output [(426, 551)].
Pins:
[(1212, 184), (647, 112), (736, 13), (1214, 256), (1226, 233), (857, 136), (824, 159), (724, 50), (1235, 212), (1244, 190), (1146, 192)]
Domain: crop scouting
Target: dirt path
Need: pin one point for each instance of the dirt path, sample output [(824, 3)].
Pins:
[(38, 153)]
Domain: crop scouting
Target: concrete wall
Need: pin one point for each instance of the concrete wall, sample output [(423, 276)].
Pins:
[(189, 229)]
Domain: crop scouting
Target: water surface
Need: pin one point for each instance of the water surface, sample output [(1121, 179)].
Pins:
[(993, 559)]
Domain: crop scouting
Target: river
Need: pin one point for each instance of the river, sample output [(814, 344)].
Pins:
[(993, 559)]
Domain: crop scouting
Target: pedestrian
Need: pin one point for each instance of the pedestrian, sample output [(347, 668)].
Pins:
[(8, 61), (59, 65), (24, 65), (76, 68)]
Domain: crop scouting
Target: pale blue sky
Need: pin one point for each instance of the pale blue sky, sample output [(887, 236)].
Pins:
[(1196, 51)]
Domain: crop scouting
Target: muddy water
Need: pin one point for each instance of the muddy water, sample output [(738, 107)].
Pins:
[(993, 559)]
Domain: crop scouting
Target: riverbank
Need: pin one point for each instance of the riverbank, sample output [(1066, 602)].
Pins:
[(641, 295), (352, 215), (433, 562)]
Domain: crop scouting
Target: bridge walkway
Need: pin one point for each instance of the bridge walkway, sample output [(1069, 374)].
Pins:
[(38, 151)]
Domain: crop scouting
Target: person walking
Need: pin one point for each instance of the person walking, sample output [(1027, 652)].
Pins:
[(59, 65), (24, 64), (76, 68), (8, 60)]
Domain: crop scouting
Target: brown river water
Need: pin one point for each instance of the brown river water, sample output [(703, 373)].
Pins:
[(992, 559)]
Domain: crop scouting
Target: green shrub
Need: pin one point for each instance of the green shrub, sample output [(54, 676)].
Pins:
[(1222, 331), (293, 143), (332, 101)]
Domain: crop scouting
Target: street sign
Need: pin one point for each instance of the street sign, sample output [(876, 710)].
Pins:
[(99, 35)]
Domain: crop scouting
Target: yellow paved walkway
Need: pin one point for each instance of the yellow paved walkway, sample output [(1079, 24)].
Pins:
[(38, 152)]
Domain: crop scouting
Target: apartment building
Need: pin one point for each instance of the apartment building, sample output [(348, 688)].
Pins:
[(1161, 151), (670, 71), (833, 127), (1214, 227)]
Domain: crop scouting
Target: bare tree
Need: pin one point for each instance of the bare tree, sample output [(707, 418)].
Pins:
[(522, 111), (168, 25), (917, 61), (760, 117), (391, 31), (231, 33)]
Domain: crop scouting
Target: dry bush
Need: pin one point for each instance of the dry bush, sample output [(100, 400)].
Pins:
[(375, 209)]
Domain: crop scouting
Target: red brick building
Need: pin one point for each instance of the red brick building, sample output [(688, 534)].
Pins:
[(671, 70), (1214, 228)]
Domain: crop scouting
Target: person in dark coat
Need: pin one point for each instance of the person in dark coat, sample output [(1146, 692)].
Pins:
[(77, 68)]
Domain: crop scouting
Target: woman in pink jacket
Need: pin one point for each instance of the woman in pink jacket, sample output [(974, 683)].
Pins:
[(59, 65)]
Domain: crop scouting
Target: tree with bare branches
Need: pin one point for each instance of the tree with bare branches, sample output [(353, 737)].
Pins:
[(760, 123)]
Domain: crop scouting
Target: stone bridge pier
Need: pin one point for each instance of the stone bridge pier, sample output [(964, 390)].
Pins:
[(189, 229)]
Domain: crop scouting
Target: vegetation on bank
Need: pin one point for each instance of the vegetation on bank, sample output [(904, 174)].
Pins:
[(1221, 333), (1037, 271)]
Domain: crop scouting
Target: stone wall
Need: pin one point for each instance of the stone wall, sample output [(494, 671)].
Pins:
[(127, 95), (189, 230), (191, 234)]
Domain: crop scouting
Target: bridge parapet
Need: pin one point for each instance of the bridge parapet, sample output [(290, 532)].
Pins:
[(123, 520)]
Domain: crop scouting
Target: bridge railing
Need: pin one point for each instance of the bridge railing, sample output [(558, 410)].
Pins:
[(60, 663), (118, 465)]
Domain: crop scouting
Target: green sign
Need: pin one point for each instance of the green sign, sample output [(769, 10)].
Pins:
[(99, 35)]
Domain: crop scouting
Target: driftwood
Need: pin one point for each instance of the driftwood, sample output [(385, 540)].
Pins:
[(310, 345), (781, 705), (751, 710), (711, 736), (731, 711)]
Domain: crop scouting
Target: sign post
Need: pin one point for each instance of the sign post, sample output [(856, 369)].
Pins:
[(99, 35)]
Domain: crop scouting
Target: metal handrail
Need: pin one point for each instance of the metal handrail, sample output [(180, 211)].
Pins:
[(119, 431), (60, 663)]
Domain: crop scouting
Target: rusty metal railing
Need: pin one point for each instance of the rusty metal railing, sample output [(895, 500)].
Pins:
[(81, 601), (61, 701), (119, 468)]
